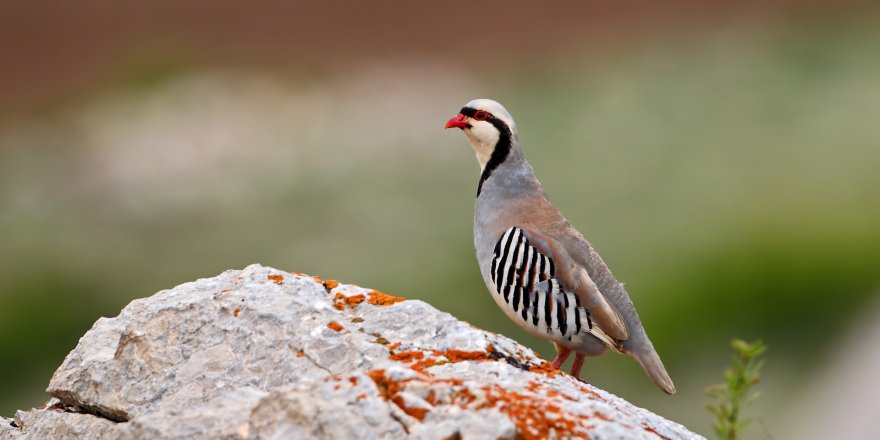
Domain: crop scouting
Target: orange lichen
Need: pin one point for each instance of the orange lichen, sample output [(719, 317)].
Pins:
[(418, 413), (275, 278), (386, 387), (389, 390), (378, 298), (462, 397), (533, 386), (545, 368), (534, 418), (431, 398), (335, 326), (340, 301), (420, 360), (300, 354), (421, 365), (586, 390), (539, 388), (407, 356), (428, 358), (236, 312), (534, 415), (353, 380), (328, 284), (460, 355)]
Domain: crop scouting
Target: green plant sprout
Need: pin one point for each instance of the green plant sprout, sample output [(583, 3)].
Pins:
[(732, 397)]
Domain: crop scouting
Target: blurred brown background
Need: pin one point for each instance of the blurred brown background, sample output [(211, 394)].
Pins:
[(722, 157)]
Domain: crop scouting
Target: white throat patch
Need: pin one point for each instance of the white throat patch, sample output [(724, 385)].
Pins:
[(483, 137)]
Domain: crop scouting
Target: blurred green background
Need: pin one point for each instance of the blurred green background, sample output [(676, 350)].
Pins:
[(723, 157)]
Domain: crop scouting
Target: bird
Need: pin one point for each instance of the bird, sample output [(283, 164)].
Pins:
[(538, 268)]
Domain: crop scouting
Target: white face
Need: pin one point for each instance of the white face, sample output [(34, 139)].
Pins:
[(482, 135)]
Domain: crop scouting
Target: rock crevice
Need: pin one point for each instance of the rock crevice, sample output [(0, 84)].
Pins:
[(262, 353)]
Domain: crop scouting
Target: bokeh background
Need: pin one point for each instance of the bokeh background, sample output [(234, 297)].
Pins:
[(722, 156)]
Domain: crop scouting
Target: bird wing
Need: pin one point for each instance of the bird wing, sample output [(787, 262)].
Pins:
[(525, 267), (575, 278)]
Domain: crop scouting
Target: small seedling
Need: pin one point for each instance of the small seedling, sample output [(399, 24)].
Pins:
[(734, 395)]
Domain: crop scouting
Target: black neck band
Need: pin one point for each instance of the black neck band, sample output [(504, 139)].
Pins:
[(502, 148), (499, 154)]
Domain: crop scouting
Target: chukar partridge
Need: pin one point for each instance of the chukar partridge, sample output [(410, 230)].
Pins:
[(539, 269)]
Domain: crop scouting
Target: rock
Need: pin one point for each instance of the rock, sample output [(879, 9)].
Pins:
[(56, 421), (261, 353)]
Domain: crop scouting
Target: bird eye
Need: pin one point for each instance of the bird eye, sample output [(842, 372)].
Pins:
[(481, 115)]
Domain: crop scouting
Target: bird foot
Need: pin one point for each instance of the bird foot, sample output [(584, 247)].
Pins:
[(581, 380), (562, 355), (577, 365)]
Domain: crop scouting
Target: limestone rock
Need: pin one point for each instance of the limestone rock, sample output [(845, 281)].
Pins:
[(55, 421), (260, 353)]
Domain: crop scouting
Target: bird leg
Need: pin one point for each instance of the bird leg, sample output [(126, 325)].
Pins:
[(562, 354), (577, 365)]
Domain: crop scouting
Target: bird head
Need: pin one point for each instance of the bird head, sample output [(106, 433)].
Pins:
[(486, 124)]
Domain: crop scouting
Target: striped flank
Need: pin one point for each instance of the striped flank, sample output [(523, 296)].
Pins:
[(525, 279)]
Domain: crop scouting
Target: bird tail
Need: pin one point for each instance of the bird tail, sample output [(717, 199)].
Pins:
[(653, 366), (644, 354)]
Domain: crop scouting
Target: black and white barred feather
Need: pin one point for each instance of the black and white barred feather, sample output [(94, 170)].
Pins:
[(526, 280)]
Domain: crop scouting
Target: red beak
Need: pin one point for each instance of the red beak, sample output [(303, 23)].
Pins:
[(459, 121)]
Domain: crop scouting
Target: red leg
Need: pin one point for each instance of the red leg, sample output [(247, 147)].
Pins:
[(577, 365), (562, 354)]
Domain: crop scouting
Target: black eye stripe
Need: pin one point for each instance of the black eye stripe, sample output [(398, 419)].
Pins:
[(473, 113)]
